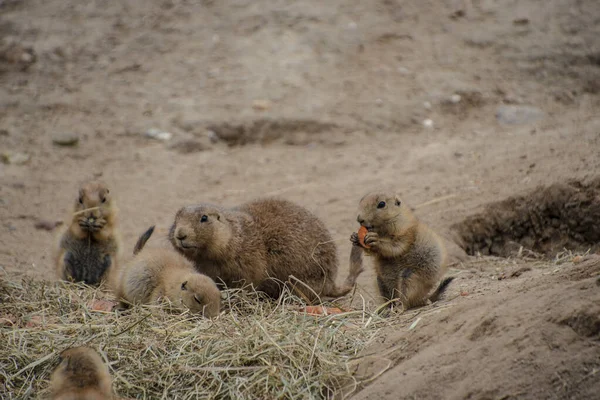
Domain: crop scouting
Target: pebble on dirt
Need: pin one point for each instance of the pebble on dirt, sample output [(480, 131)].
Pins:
[(16, 158), (261, 105), (158, 134), (46, 225), (517, 115), (16, 54), (65, 139)]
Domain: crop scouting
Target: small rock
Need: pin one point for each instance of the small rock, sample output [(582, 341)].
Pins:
[(212, 135), (16, 158), (47, 225), (455, 98), (157, 134), (65, 139), (428, 123), (516, 115), (17, 54), (521, 21), (261, 105), (577, 259), (187, 146), (457, 14), (427, 105)]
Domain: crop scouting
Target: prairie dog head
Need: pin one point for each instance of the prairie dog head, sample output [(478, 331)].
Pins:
[(94, 207), (200, 229), (81, 368), (384, 212), (200, 294)]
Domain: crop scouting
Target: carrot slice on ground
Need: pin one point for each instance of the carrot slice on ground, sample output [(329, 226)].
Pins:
[(321, 310), (101, 305)]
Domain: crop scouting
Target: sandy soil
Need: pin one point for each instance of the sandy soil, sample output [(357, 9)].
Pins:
[(319, 102)]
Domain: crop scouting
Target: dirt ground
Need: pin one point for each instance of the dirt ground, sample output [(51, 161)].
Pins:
[(455, 104)]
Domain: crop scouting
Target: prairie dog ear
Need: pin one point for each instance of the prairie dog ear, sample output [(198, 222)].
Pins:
[(397, 200)]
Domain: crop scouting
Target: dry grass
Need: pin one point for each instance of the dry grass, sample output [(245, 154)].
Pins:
[(255, 349)]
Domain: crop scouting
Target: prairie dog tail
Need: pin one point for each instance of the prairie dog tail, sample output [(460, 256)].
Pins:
[(356, 267), (142, 240), (440, 289)]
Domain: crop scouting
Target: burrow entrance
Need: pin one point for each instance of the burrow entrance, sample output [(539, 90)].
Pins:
[(547, 221)]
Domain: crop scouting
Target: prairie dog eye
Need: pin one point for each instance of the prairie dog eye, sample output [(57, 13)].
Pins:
[(104, 200), (381, 204), (183, 285), (204, 218), (81, 200)]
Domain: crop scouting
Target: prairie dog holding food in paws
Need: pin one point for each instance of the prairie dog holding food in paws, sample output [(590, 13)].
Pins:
[(409, 258)]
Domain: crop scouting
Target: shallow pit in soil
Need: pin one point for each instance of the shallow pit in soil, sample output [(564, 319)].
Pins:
[(295, 132), (547, 220)]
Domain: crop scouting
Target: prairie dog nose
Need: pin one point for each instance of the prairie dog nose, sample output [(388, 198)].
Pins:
[(180, 234)]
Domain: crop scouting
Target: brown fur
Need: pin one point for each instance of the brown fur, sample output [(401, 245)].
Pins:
[(158, 273), (81, 375), (89, 245), (409, 258), (265, 243)]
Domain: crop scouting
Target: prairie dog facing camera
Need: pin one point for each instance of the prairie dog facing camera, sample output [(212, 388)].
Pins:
[(89, 244), (155, 273), (409, 257)]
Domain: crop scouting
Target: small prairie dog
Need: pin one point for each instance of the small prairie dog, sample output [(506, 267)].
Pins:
[(81, 375), (409, 258), (158, 272), (265, 243), (88, 247)]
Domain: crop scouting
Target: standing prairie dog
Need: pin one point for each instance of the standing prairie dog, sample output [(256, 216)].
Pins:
[(266, 243), (81, 375), (409, 258), (157, 273), (88, 247)]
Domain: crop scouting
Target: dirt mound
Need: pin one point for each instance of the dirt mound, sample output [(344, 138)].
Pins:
[(265, 131), (546, 221), (487, 347)]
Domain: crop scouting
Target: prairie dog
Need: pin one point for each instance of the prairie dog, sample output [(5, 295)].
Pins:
[(88, 247), (158, 272), (81, 375), (409, 258), (265, 243)]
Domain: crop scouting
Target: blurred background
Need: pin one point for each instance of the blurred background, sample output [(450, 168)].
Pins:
[(452, 103)]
